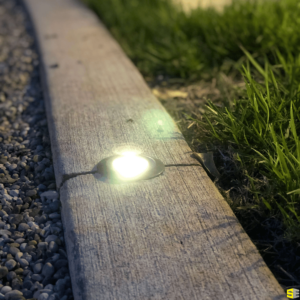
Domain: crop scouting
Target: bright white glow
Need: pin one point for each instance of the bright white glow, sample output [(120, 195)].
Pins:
[(160, 122), (124, 148), (130, 165), (128, 153)]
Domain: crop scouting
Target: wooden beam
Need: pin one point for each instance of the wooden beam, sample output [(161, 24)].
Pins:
[(171, 237)]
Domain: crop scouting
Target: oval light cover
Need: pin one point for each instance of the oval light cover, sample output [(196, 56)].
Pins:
[(129, 165)]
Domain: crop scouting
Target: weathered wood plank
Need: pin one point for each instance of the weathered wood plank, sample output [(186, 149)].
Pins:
[(172, 237)]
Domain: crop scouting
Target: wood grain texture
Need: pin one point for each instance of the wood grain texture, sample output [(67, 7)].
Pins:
[(172, 237)]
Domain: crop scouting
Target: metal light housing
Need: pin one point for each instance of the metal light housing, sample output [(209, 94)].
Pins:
[(129, 166)]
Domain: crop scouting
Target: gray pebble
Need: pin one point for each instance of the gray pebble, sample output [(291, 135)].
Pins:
[(42, 232), (23, 263), (14, 193), (10, 264), (37, 268), (18, 234), (26, 272), (5, 290), (7, 197), (23, 227), (37, 277), (12, 295), (53, 297), (28, 277), (60, 263), (36, 286), (61, 273), (43, 245), (18, 256), (42, 187), (54, 206), (31, 193), (29, 232), (46, 291), (11, 275), (7, 226), (53, 247), (30, 248), (48, 270), (16, 284), (39, 148), (27, 294), (60, 285), (47, 227), (55, 230), (49, 195), (22, 164), (25, 161), (20, 240), (55, 257), (27, 284), (19, 202), (37, 294), (42, 219), (12, 167), (23, 247), (43, 296), (27, 256), (8, 240), (49, 287), (3, 213), (51, 186), (15, 219), (50, 238), (13, 250), (19, 271), (54, 215), (4, 232)]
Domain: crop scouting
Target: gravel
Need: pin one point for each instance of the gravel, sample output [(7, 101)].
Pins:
[(33, 260)]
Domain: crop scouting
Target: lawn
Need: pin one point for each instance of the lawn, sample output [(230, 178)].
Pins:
[(251, 121)]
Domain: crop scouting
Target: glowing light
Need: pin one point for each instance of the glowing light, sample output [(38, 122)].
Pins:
[(128, 153), (124, 148), (160, 122), (130, 165)]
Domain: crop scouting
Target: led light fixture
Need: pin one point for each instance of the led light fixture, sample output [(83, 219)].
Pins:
[(129, 166)]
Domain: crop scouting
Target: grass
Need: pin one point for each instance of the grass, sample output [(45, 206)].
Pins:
[(260, 126), (263, 130), (162, 39)]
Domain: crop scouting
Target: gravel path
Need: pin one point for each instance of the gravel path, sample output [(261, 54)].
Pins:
[(32, 250)]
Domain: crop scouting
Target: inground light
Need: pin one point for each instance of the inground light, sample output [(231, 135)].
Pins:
[(129, 166)]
